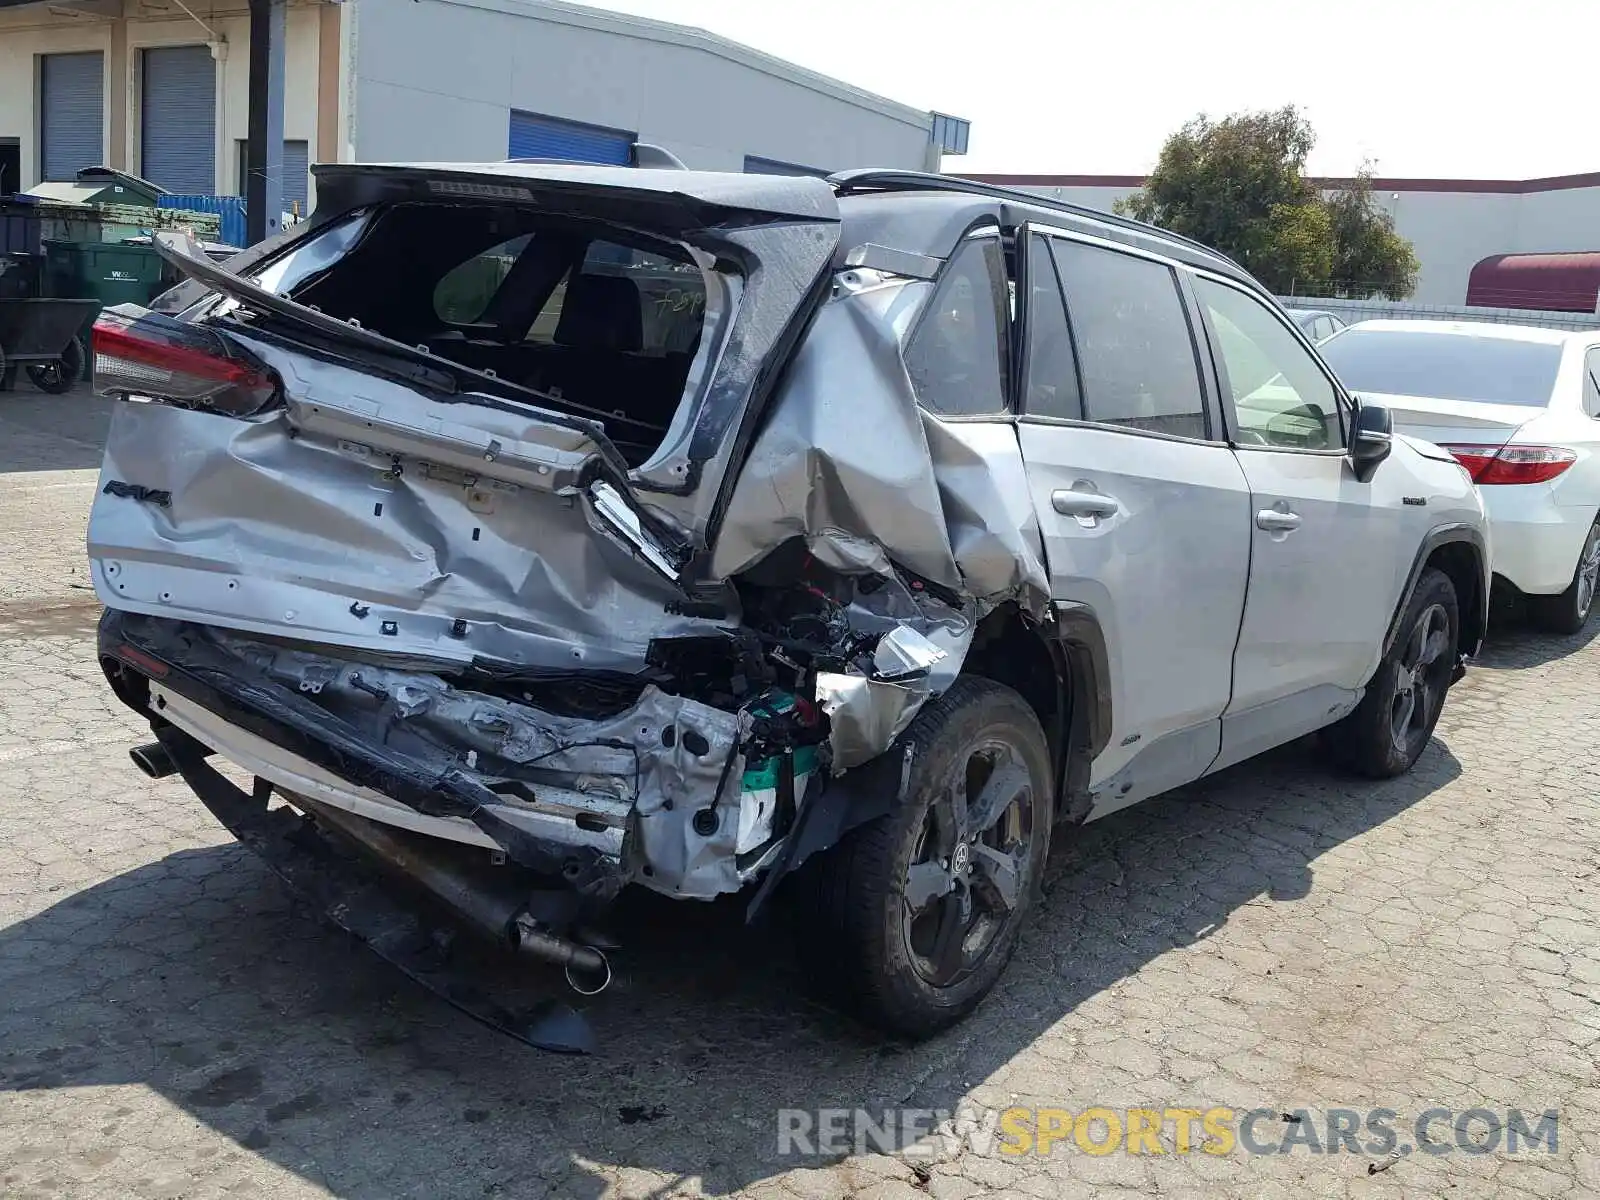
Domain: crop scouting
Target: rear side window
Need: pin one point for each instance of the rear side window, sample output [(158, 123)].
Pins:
[(1135, 351), (1445, 366), (1051, 380), (463, 295), (1591, 383), (957, 355)]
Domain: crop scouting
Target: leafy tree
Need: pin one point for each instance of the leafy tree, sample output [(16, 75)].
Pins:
[(1239, 184), (1368, 255)]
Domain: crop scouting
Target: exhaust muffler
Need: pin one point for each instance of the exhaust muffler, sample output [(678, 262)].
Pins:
[(498, 914)]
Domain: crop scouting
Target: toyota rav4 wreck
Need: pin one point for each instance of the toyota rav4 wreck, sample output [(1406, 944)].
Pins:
[(531, 531)]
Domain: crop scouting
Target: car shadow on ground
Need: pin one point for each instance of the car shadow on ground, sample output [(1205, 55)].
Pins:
[(40, 432), (1513, 643), (197, 977)]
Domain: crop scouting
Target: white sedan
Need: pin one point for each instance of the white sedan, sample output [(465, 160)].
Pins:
[(1519, 407)]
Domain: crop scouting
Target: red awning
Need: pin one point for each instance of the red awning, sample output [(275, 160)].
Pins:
[(1548, 282)]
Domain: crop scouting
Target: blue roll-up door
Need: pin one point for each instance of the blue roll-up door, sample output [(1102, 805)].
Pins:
[(296, 172), (178, 119), (547, 137), (72, 114)]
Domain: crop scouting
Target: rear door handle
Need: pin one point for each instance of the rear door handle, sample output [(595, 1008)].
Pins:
[(1277, 520), (1070, 502)]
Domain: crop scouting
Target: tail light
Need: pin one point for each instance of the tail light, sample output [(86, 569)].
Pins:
[(139, 353), (1513, 464)]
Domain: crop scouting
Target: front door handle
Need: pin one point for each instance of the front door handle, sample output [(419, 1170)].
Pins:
[(1070, 502), (1277, 520)]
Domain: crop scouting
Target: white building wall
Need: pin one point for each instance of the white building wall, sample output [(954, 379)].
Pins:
[(26, 33), (1566, 219), (1451, 232), (438, 79)]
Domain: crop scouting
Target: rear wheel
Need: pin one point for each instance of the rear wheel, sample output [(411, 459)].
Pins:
[(1569, 611), (912, 917), (1388, 730)]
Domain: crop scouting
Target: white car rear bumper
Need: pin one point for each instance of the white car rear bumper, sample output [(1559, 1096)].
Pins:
[(1536, 541)]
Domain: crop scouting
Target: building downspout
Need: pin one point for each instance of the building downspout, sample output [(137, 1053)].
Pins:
[(349, 43)]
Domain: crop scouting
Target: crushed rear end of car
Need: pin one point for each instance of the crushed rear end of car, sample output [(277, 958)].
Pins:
[(475, 524)]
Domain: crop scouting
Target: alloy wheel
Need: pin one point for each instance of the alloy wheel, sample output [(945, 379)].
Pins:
[(1588, 572), (969, 866), (1424, 670)]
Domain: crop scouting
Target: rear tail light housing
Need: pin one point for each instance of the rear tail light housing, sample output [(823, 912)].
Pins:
[(140, 353), (1513, 464)]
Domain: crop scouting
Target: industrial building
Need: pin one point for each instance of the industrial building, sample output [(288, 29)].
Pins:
[(162, 89), (1454, 224)]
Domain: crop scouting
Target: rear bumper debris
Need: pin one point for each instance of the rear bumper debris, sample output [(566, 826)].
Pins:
[(345, 891)]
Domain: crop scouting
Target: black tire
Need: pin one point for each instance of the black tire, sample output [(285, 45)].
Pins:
[(1569, 611), (857, 927), (1389, 729), (58, 377)]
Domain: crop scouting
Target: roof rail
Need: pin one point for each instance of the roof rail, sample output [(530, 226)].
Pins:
[(872, 179)]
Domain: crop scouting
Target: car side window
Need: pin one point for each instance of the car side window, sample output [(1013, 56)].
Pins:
[(1134, 348), (957, 354), (462, 296), (1591, 382), (1278, 394), (1051, 380)]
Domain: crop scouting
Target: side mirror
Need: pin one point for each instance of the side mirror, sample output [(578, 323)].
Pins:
[(1372, 439)]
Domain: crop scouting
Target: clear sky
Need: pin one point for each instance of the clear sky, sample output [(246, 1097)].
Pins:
[(1454, 88)]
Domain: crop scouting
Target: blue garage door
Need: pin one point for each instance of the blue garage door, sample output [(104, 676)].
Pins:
[(546, 137), (72, 114), (296, 172), (178, 126)]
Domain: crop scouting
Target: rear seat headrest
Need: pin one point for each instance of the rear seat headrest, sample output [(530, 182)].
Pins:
[(601, 312)]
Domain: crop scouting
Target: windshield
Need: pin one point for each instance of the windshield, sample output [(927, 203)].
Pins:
[(1446, 366)]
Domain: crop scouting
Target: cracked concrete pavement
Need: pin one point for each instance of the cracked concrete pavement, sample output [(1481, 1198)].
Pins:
[(1278, 938)]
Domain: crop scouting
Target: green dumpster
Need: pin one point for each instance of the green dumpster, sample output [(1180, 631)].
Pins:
[(103, 271)]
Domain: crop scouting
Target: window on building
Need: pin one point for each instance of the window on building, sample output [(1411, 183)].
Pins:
[(296, 173), (10, 165), (1133, 342), (957, 356)]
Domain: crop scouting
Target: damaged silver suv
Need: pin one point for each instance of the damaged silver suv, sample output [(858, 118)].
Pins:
[(533, 531)]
